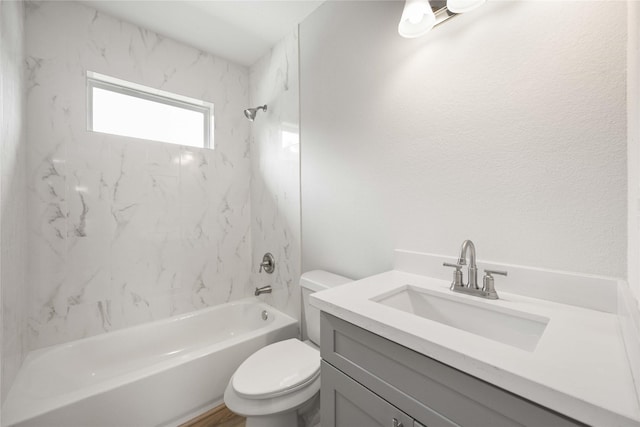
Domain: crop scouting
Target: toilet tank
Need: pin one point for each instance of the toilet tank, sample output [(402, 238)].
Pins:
[(310, 282)]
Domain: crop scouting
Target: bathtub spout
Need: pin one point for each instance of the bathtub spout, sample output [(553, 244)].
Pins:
[(263, 290)]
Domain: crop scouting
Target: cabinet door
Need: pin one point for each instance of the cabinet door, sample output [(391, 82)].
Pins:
[(345, 403)]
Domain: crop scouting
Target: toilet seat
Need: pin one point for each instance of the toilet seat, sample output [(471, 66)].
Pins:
[(268, 407), (276, 370)]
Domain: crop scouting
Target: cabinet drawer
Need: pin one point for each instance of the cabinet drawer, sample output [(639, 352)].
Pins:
[(433, 393), (345, 403)]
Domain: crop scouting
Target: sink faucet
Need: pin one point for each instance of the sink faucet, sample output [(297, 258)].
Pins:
[(471, 287), (472, 279)]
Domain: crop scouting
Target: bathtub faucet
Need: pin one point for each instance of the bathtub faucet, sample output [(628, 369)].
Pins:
[(263, 290)]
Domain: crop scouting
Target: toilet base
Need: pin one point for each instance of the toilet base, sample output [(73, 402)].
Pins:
[(307, 415), (286, 419)]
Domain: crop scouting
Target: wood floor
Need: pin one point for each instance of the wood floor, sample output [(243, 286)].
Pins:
[(220, 416)]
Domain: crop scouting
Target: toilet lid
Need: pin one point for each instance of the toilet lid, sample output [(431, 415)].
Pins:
[(277, 369)]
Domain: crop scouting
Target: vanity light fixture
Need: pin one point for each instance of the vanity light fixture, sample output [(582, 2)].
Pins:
[(417, 19), (420, 16), (462, 6)]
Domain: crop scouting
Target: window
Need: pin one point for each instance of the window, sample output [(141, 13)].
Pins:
[(122, 108)]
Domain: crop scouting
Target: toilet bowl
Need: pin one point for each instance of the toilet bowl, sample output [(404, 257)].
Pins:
[(281, 382), (274, 383)]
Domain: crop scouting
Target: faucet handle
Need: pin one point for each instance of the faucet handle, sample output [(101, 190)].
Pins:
[(456, 266), (490, 272), (457, 274), (268, 263), (488, 283)]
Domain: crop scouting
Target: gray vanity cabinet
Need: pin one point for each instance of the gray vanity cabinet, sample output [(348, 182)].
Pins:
[(368, 380), (353, 405)]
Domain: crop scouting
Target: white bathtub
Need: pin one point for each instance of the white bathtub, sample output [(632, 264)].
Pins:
[(154, 374)]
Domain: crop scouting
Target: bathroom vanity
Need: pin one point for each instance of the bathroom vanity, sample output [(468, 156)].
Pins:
[(401, 349), (368, 380)]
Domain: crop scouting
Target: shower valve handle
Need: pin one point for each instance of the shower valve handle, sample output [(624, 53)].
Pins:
[(268, 263)]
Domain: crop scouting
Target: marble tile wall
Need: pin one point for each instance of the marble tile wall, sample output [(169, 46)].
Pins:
[(124, 231), (13, 199), (275, 173)]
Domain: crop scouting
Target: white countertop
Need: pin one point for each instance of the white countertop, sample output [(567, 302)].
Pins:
[(579, 367)]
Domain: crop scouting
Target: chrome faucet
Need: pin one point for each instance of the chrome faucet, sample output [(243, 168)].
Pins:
[(472, 277), (471, 287), (263, 290)]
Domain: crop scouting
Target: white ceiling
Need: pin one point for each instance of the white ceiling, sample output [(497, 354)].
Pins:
[(238, 30)]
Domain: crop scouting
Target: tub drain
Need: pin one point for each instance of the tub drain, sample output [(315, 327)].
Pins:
[(265, 314)]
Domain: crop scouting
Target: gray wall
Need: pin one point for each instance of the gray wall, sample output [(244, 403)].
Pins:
[(506, 125)]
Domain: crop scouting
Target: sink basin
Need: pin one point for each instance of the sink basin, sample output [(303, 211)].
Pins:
[(511, 327)]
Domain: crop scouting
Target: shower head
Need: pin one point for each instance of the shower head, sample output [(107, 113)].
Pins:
[(250, 113)]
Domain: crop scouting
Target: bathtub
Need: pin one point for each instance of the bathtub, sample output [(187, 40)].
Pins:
[(156, 374)]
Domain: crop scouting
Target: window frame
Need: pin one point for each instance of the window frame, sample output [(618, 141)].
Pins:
[(123, 87)]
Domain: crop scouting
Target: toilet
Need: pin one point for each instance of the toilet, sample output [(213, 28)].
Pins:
[(281, 381)]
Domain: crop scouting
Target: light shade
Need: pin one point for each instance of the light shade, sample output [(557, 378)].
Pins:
[(417, 19), (462, 6)]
